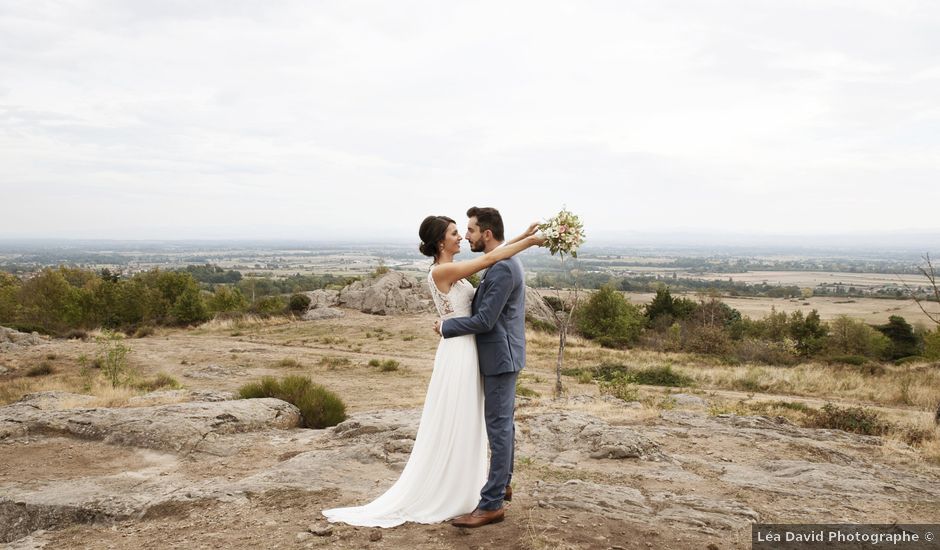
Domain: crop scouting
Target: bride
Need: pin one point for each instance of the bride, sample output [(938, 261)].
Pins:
[(448, 463)]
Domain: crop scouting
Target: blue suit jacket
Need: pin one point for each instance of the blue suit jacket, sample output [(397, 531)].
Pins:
[(498, 319)]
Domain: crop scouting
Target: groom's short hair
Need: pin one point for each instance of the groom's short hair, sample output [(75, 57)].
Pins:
[(488, 218)]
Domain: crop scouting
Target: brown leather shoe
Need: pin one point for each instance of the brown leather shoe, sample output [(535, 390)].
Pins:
[(479, 518), (508, 496)]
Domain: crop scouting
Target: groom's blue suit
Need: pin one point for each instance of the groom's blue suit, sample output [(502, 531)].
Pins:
[(498, 320)]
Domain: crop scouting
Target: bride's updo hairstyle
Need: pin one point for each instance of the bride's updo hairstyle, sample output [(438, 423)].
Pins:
[(432, 232)]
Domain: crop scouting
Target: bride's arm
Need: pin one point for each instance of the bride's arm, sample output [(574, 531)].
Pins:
[(533, 228), (447, 274)]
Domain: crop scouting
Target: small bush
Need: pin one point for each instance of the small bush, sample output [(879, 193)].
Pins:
[(144, 331), (288, 363), (76, 334), (51, 356), (389, 365), (909, 359), (299, 303), (161, 381), (408, 337), (660, 376), (42, 369), (540, 325), (526, 392), (850, 419), (319, 407), (585, 377), (621, 388), (331, 362), (375, 363)]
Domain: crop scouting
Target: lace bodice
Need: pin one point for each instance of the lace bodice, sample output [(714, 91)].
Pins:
[(455, 303)]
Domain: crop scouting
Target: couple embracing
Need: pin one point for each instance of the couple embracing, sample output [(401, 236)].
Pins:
[(471, 394)]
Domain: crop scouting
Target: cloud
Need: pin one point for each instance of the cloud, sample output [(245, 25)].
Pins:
[(156, 118)]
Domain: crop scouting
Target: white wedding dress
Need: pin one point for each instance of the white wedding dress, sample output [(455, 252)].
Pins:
[(448, 463)]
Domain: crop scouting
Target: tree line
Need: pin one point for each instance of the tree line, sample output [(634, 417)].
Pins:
[(57, 300), (709, 326)]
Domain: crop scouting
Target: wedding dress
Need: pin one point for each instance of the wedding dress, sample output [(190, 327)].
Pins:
[(448, 463)]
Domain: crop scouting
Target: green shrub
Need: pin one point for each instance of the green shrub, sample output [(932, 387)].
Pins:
[(111, 358), (288, 363), (540, 325), (42, 369), (850, 419), (909, 359), (161, 381), (585, 377), (299, 303), (526, 392), (270, 305), (660, 376), (621, 388), (319, 407), (608, 318), (387, 365)]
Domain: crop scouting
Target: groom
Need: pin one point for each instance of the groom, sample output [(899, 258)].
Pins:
[(498, 320)]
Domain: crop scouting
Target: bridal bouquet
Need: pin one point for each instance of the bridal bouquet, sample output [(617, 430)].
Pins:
[(564, 233)]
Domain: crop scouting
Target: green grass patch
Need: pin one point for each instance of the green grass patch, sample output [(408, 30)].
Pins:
[(319, 407)]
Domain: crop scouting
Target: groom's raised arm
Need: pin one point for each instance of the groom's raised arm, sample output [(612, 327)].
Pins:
[(496, 289)]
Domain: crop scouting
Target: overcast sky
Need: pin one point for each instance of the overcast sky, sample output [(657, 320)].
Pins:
[(349, 119)]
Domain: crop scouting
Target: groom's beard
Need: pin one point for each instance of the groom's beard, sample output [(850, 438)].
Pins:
[(477, 246)]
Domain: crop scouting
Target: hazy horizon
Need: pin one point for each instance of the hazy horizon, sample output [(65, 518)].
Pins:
[(356, 119)]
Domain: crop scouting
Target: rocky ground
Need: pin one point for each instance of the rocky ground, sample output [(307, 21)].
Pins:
[(195, 468)]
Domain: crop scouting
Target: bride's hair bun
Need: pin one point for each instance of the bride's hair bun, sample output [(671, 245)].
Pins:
[(432, 231)]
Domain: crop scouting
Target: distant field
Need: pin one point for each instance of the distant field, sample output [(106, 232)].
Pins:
[(870, 310), (812, 278)]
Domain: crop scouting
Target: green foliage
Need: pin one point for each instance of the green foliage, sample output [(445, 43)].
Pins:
[(111, 357), (901, 335), (523, 391), (608, 318), (850, 419), (621, 387), (388, 365), (932, 345), (162, 381), (660, 376), (189, 307), (665, 309), (299, 303), (227, 299), (848, 336), (288, 363), (319, 407), (270, 305), (213, 274), (540, 325)]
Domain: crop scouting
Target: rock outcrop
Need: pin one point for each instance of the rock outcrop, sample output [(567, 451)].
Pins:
[(181, 427), (393, 293), (11, 339)]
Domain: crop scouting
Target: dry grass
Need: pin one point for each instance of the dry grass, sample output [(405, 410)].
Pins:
[(917, 386), (104, 394)]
